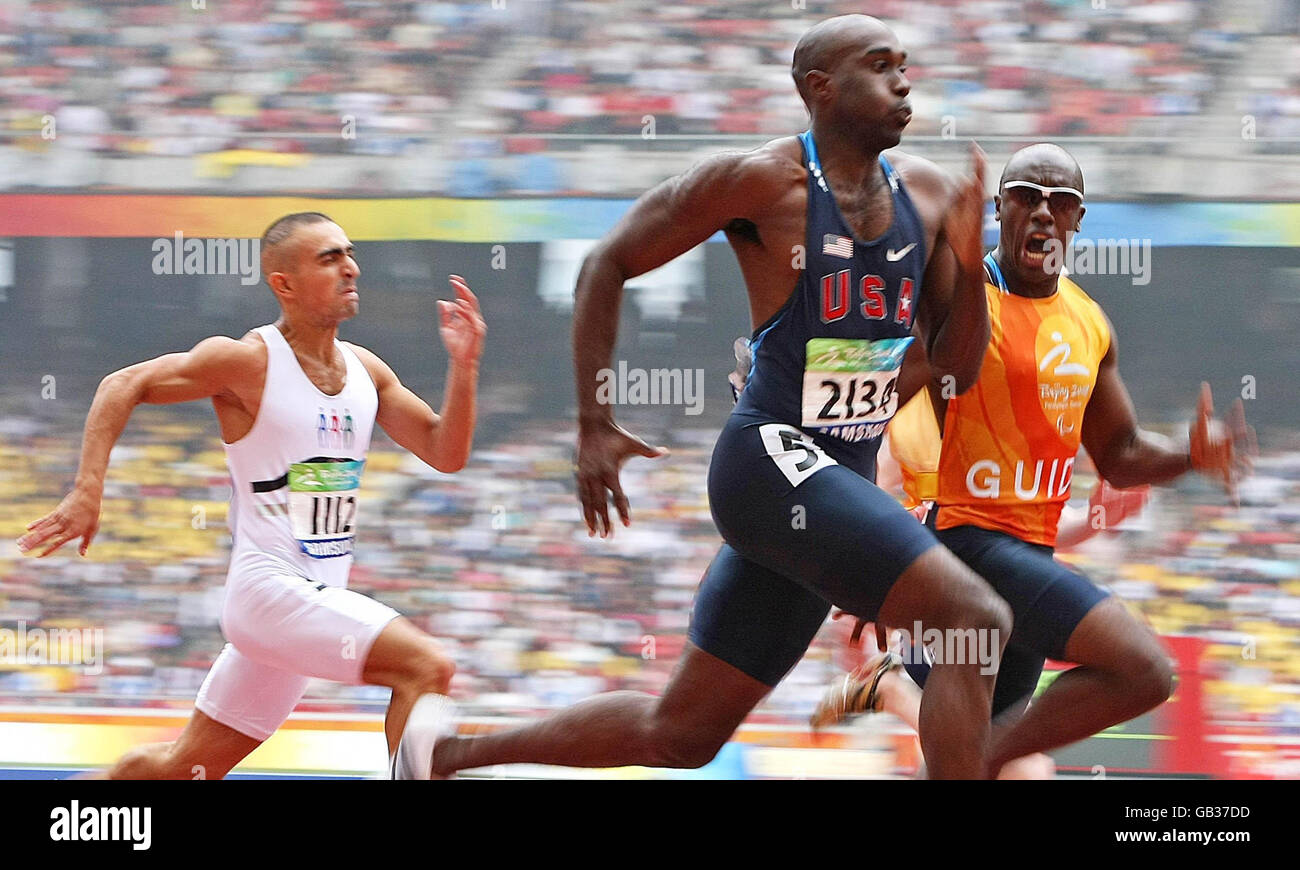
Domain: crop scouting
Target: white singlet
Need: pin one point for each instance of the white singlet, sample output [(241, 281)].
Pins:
[(294, 512)]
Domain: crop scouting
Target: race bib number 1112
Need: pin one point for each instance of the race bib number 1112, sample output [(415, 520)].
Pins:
[(323, 506)]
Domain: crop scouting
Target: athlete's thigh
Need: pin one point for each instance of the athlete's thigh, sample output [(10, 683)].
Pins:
[(1048, 598), (752, 618), (400, 649), (783, 503), (239, 698), (289, 623), (1112, 638)]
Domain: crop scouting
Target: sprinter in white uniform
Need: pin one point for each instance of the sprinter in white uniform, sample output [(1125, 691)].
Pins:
[(297, 408)]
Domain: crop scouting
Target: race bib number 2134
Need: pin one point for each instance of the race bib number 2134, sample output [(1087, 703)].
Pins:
[(851, 383)]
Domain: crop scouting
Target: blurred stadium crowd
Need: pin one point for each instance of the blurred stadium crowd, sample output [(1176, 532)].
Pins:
[(494, 561), (252, 92), (530, 97)]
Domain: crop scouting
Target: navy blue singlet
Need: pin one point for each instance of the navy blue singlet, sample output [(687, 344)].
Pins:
[(791, 482), (828, 360)]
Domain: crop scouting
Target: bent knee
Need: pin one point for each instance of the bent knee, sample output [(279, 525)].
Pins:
[(685, 752), (1151, 679), (675, 746), (441, 671), (431, 670)]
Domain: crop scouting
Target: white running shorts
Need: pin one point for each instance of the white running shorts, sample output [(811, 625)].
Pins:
[(282, 630)]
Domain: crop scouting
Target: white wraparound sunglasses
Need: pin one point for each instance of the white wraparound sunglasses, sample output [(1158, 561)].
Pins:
[(1058, 198)]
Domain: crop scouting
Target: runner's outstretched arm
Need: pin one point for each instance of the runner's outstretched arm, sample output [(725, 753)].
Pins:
[(203, 372), (664, 223), (1128, 456)]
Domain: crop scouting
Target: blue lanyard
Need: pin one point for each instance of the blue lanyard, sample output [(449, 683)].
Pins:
[(814, 165), (995, 272)]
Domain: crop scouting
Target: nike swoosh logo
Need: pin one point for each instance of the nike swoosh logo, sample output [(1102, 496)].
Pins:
[(894, 256)]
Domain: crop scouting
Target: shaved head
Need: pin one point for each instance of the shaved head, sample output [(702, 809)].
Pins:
[(1033, 162), (827, 42), (309, 263), (1034, 222), (276, 240)]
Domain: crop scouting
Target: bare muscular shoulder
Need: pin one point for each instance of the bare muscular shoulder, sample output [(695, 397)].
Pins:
[(769, 234), (770, 174), (244, 360), (733, 185), (756, 197)]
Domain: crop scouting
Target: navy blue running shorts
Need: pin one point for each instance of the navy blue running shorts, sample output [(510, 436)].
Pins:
[(803, 530), (1048, 600)]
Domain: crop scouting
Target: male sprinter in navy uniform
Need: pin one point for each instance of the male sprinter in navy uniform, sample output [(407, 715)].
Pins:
[(791, 480)]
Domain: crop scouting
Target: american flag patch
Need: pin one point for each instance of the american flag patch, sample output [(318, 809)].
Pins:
[(837, 246)]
